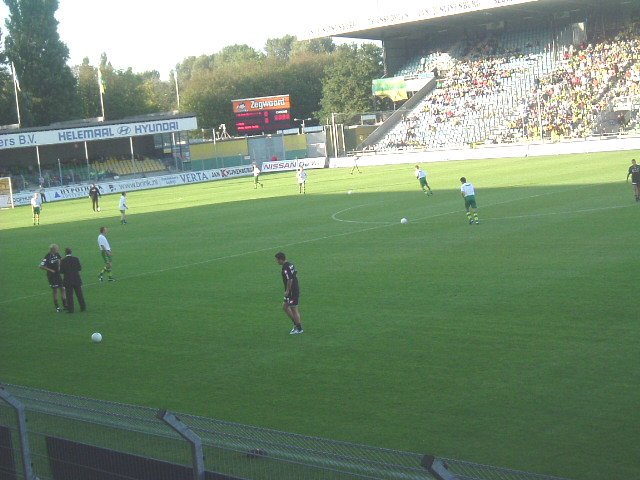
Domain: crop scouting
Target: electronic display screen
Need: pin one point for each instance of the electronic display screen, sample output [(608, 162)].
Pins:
[(263, 121)]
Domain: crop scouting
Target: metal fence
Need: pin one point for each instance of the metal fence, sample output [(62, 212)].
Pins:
[(47, 435)]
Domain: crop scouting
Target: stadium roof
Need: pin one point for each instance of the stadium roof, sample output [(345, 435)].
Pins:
[(90, 130), (98, 122), (466, 12)]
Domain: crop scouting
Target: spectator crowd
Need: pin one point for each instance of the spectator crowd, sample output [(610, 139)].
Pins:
[(499, 91)]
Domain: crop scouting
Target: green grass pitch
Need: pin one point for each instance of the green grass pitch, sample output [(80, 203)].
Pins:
[(512, 343)]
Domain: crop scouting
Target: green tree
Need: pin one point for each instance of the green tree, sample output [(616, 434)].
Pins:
[(126, 94), (191, 65), (347, 82), (8, 114), (88, 89), (238, 54), (316, 45), (304, 75), (280, 48), (209, 93), (159, 96), (33, 44)]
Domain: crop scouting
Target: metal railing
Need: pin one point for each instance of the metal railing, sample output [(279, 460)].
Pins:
[(48, 435)]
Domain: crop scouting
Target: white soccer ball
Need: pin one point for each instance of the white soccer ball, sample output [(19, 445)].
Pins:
[(98, 208), (96, 337), (404, 221), (349, 192)]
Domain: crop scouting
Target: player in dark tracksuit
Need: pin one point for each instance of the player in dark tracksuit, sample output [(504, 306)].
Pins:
[(291, 292), (51, 264), (94, 193), (70, 268)]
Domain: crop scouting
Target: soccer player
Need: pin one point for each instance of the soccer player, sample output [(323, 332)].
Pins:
[(302, 180), (70, 267), (36, 207), (123, 208), (94, 194), (51, 264), (291, 292), (105, 250), (634, 172), (421, 175), (355, 165), (469, 195), (256, 175)]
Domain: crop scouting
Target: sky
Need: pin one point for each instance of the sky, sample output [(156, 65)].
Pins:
[(158, 34)]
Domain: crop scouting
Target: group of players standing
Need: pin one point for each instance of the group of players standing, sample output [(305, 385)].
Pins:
[(63, 273), (64, 279)]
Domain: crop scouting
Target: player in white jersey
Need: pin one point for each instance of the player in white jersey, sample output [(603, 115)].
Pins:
[(302, 180), (256, 177), (421, 175), (123, 208), (36, 207), (105, 251), (469, 195)]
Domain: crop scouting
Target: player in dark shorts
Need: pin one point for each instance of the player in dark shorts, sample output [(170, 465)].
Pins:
[(51, 264), (291, 292), (634, 172), (94, 194)]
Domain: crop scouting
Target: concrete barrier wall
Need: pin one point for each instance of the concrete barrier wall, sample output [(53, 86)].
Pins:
[(613, 144)]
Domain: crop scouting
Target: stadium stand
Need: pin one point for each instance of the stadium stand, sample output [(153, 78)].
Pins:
[(505, 86), (475, 95), (578, 94), (128, 166)]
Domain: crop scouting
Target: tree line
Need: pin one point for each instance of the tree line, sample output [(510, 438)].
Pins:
[(321, 77)]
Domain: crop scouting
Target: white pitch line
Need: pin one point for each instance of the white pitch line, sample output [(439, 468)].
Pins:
[(569, 212), (334, 217)]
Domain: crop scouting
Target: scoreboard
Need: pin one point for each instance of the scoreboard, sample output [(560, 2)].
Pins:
[(262, 114)]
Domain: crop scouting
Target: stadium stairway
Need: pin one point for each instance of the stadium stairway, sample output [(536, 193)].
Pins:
[(398, 116)]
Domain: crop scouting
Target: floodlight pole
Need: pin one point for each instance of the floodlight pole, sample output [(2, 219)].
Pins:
[(175, 77), (15, 89), (86, 156), (38, 159)]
